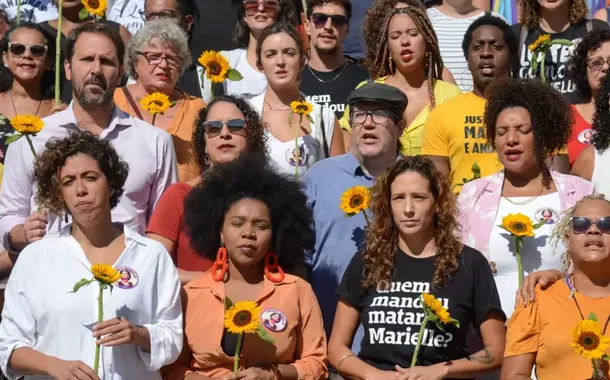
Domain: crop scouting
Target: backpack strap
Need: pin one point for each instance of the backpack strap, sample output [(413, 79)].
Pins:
[(132, 103)]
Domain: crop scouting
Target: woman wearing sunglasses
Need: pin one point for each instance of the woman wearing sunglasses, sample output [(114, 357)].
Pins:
[(225, 129), (252, 18), (541, 334)]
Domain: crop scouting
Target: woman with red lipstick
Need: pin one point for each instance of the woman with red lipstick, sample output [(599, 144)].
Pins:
[(403, 52), (526, 122), (156, 57)]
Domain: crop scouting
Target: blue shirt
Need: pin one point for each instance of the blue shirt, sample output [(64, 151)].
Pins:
[(338, 237), (354, 45)]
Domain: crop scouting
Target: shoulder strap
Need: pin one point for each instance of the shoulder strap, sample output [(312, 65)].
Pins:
[(522, 38), (323, 129), (589, 24), (132, 103)]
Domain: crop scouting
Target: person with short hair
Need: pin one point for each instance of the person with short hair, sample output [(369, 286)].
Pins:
[(94, 65), (54, 334)]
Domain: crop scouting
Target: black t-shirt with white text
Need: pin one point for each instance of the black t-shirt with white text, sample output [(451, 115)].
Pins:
[(556, 60), (331, 89), (392, 318)]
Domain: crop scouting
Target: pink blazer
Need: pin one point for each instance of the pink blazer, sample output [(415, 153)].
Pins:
[(479, 200)]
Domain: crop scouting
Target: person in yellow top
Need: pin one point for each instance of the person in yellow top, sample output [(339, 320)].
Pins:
[(404, 53)]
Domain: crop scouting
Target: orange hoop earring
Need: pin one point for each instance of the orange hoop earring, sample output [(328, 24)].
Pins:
[(220, 267), (272, 263)]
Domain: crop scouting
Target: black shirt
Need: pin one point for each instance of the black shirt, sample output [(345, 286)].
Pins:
[(331, 89), (214, 29), (392, 318), (556, 60)]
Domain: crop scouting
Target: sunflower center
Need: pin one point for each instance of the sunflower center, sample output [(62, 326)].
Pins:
[(94, 3), (214, 68), (302, 108), (589, 341), (242, 318), (355, 201), (157, 103), (28, 125), (518, 226)]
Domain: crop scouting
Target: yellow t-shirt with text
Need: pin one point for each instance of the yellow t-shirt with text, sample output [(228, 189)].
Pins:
[(455, 130)]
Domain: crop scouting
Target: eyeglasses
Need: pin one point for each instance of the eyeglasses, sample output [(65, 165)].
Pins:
[(581, 224), (320, 19), (156, 58), (167, 13), (18, 49), (212, 128), (379, 117), (597, 64), (270, 7)]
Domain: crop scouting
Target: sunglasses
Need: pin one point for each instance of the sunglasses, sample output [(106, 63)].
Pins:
[(212, 128), (17, 49), (320, 19), (580, 224), (270, 7)]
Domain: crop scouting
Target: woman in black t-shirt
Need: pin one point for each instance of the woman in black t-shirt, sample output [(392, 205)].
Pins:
[(413, 247)]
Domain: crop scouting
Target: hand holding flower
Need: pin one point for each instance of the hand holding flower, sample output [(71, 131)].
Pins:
[(433, 372), (35, 226), (119, 331), (71, 369), (252, 373)]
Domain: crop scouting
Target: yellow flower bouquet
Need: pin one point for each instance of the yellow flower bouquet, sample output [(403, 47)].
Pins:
[(301, 108), (217, 69), (434, 312), (520, 226), (156, 103), (539, 48), (105, 275), (243, 318), (590, 342), (355, 200)]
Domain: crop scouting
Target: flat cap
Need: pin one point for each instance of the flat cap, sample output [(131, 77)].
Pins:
[(380, 93)]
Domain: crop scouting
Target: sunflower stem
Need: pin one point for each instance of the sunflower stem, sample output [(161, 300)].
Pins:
[(60, 4), (366, 218), (542, 73), (518, 256), (29, 140), (153, 118), (240, 339), (296, 147), (100, 316), (419, 339), (18, 12)]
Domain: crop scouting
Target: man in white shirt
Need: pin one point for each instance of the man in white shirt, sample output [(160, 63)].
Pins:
[(94, 65)]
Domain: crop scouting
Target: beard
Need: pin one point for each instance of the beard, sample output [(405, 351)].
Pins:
[(87, 98), (324, 50)]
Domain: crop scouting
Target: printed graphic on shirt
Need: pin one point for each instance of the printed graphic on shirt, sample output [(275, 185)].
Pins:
[(31, 10), (584, 137), (274, 320), (326, 102), (298, 156), (129, 278), (127, 13), (546, 213)]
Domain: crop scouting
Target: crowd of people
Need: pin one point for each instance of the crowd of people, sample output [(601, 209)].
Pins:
[(434, 210)]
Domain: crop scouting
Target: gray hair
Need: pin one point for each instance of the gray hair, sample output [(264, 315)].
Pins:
[(164, 31)]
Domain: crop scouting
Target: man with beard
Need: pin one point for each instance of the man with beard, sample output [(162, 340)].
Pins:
[(328, 78), (94, 65)]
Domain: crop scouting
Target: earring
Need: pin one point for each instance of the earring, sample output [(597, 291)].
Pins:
[(206, 159), (272, 263), (220, 267)]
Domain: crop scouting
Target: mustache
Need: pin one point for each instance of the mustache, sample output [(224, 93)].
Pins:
[(98, 80)]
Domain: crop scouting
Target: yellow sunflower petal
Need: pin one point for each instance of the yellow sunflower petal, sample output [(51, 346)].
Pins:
[(355, 199), (518, 225), (216, 66), (27, 124), (105, 273), (588, 340), (155, 103), (444, 316), (242, 317), (301, 107), (539, 41), (95, 7)]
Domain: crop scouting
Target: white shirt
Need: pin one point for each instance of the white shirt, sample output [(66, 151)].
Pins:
[(126, 13), (36, 11), (148, 151), (537, 252), (600, 178), (40, 311)]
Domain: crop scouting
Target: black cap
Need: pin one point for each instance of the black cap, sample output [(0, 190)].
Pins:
[(380, 93)]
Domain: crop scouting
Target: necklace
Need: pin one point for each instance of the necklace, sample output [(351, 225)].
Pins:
[(527, 201), (573, 290), (15, 108), (327, 81), (277, 107)]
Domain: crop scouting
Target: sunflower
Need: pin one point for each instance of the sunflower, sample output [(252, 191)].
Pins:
[(301, 107), (589, 342), (432, 302), (541, 40), (518, 225), (242, 317), (27, 124), (105, 273), (95, 7), (355, 199), (155, 103), (216, 66), (444, 316)]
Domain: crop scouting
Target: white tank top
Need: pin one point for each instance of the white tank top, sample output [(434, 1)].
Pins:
[(310, 147), (600, 177)]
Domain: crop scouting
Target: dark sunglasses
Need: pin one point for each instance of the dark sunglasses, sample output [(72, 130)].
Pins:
[(320, 19), (17, 49), (212, 128), (580, 224), (270, 7)]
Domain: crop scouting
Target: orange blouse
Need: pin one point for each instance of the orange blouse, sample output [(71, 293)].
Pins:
[(181, 131), (300, 339)]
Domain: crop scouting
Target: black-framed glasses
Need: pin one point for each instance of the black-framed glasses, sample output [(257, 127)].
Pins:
[(154, 58), (320, 19), (270, 7), (212, 128), (18, 49), (581, 224), (597, 64), (379, 117), (166, 13)]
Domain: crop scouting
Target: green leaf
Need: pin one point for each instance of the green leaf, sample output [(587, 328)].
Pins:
[(80, 284), (540, 224), (310, 119), (534, 63), (455, 322), (592, 317), (110, 286), (171, 104), (234, 75), (439, 325), (476, 170), (83, 14), (605, 357), (562, 42), (264, 334), (228, 303), (465, 180), (103, 286), (13, 138)]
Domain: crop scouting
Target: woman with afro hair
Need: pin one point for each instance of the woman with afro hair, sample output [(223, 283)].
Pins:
[(255, 224), (526, 121)]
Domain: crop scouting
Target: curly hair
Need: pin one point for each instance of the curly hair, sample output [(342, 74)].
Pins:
[(601, 120), (250, 177), (550, 113), (529, 12), (255, 141), (375, 30), (58, 151), (382, 237), (577, 66), (241, 35)]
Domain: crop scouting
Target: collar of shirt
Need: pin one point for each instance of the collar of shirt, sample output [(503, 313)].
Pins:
[(351, 165), (130, 235), (119, 119)]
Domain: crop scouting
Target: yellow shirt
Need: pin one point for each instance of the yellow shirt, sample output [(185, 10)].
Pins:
[(411, 139), (455, 130)]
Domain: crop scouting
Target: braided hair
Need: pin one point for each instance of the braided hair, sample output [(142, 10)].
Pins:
[(382, 64)]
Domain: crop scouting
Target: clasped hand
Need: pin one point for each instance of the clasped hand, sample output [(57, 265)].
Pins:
[(115, 332)]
